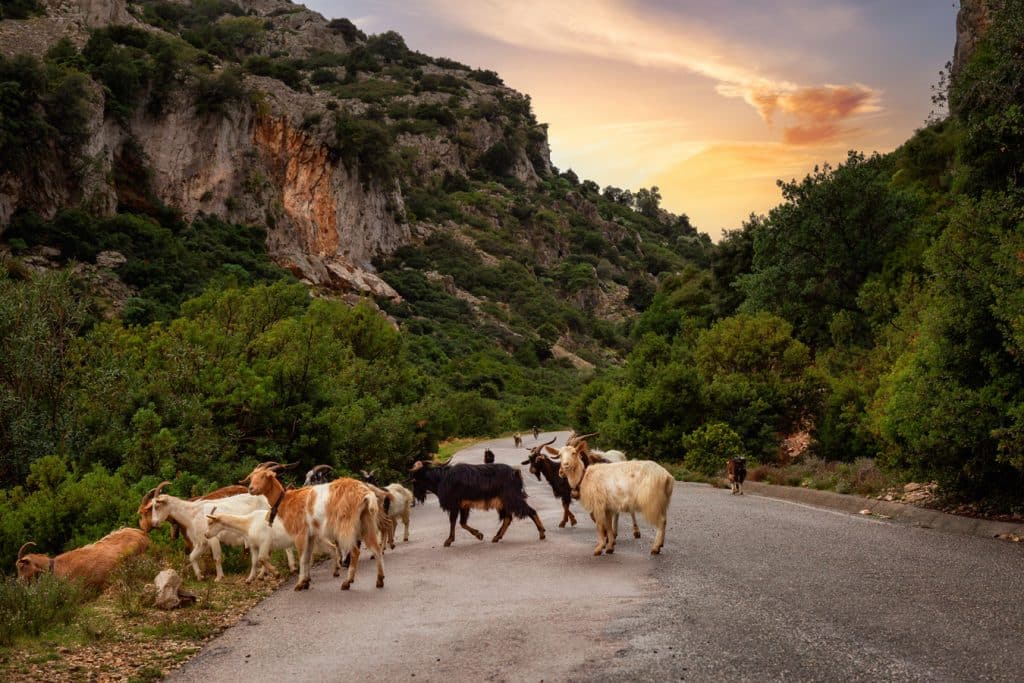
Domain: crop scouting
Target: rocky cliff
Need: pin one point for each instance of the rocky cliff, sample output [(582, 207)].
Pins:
[(972, 21), (275, 155)]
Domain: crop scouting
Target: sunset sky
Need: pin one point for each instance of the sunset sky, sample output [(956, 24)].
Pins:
[(711, 101)]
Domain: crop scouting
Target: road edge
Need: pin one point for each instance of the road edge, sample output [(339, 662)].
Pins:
[(902, 512)]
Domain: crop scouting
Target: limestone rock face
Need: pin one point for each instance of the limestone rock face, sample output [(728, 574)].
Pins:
[(272, 159), (972, 21)]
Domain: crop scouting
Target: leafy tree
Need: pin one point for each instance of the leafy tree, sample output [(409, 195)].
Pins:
[(813, 252), (710, 446), (756, 378)]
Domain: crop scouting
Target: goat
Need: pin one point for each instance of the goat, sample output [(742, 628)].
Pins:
[(736, 471), (540, 465), (517, 440), (595, 458), (488, 457), (460, 488), (262, 538), (610, 488), (146, 510), (191, 516), (90, 564), (341, 513), (401, 502), (321, 474), (536, 433)]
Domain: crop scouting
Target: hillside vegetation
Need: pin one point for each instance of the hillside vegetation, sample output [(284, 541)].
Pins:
[(877, 310), (142, 342), (874, 315)]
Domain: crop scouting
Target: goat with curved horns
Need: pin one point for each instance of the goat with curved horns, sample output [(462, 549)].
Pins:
[(610, 488), (341, 513)]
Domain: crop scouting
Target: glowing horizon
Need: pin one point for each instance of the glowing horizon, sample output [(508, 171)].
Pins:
[(710, 102)]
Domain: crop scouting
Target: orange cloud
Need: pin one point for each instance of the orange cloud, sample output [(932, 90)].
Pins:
[(611, 29), (727, 181)]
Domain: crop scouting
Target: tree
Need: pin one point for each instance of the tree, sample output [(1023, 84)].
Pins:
[(756, 378), (814, 251), (648, 202)]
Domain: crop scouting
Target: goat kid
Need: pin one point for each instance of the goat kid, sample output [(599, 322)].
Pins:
[(191, 516)]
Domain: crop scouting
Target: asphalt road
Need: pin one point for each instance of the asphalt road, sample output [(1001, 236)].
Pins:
[(746, 589)]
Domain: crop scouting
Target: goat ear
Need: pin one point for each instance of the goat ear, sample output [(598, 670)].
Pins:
[(525, 462), (552, 451)]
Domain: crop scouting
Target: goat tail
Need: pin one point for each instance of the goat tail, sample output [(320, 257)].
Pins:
[(515, 502), (368, 516), (387, 502)]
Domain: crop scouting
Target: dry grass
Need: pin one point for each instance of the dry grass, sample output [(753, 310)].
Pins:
[(861, 477)]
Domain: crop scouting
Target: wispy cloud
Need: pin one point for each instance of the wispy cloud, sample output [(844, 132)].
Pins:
[(608, 29)]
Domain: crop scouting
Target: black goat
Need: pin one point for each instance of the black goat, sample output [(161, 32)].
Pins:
[(488, 457), (321, 474), (460, 488), (541, 464)]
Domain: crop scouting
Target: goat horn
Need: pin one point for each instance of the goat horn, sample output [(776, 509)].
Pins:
[(160, 487), (550, 442), (417, 466), (21, 550), (149, 496), (277, 467)]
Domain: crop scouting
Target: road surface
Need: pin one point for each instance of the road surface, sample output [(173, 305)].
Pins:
[(746, 589)]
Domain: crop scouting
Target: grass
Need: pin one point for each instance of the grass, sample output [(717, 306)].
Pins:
[(861, 477), (446, 449), (118, 634)]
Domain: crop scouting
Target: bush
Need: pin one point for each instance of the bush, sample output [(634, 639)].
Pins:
[(708, 448), (28, 609)]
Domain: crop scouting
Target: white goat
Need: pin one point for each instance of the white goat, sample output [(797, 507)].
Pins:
[(401, 502), (608, 489), (261, 537), (191, 516)]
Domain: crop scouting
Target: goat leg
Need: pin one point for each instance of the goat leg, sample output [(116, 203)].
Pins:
[(353, 564), (636, 528), (505, 521), (536, 521), (453, 516), (463, 518)]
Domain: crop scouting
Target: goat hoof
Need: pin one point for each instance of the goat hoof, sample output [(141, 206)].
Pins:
[(345, 585), (655, 551), (636, 534), (542, 536), (302, 585), (598, 552), (562, 525), (609, 551), (380, 582), (448, 543)]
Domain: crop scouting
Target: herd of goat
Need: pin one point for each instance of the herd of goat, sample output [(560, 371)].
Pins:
[(336, 516)]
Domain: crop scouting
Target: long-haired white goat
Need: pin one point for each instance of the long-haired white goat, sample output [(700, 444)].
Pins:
[(607, 489)]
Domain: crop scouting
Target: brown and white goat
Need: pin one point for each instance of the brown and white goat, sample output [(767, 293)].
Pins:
[(341, 513), (610, 488), (736, 471), (91, 563)]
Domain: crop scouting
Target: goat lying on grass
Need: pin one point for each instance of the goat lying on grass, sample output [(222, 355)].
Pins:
[(91, 563)]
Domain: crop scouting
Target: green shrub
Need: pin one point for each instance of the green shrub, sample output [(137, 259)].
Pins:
[(709, 447), (28, 609)]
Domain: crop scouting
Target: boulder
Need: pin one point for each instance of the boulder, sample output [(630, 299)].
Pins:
[(169, 594)]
